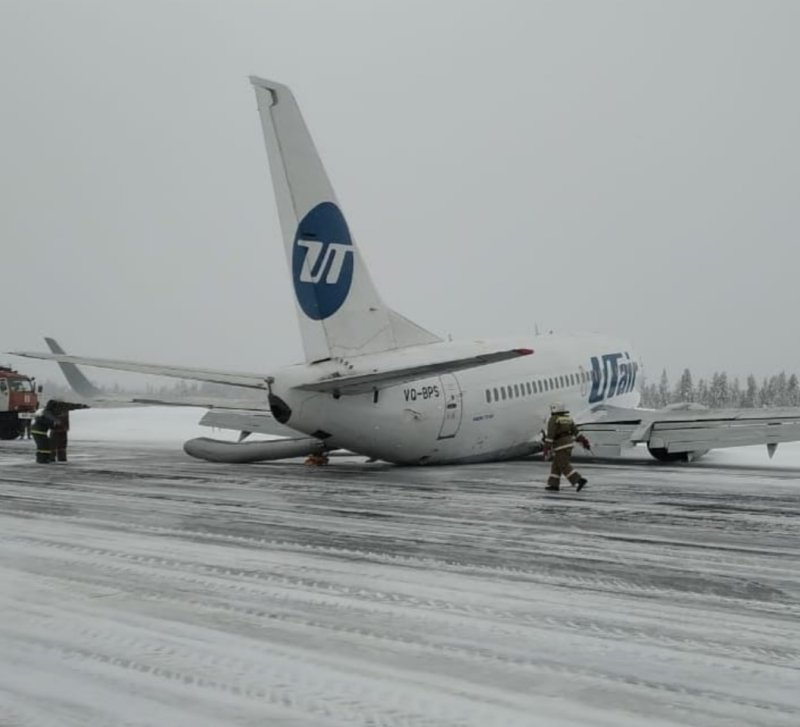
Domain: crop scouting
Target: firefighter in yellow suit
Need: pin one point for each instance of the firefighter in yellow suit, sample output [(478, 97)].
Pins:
[(560, 438), (43, 422)]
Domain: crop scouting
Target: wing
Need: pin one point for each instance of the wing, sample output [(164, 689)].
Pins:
[(253, 421), (239, 415), (91, 394), (248, 380), (362, 383), (671, 433)]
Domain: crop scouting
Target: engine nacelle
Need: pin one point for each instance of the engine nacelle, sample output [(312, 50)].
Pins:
[(217, 450), (662, 455)]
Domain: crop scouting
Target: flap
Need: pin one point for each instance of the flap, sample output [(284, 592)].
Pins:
[(257, 422)]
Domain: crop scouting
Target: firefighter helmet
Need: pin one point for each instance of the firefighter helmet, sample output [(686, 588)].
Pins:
[(557, 407)]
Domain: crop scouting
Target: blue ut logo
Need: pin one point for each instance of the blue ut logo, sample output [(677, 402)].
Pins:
[(322, 261), (612, 374)]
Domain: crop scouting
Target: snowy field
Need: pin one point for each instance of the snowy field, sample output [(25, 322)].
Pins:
[(141, 587)]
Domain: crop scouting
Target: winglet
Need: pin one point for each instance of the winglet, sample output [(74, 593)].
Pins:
[(74, 376)]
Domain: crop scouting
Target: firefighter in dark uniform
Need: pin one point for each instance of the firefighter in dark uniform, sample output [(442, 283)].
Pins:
[(58, 435), (43, 422), (560, 438)]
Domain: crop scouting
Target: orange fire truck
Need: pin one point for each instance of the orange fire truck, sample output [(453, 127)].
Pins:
[(18, 400)]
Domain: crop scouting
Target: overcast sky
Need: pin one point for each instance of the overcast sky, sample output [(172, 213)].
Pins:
[(624, 167)]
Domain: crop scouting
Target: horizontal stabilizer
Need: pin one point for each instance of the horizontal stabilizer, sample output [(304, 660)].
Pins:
[(248, 380), (215, 450), (362, 383)]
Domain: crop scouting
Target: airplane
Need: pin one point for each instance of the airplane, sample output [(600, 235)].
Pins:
[(377, 384)]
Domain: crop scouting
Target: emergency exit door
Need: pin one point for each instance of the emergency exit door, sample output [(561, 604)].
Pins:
[(452, 406)]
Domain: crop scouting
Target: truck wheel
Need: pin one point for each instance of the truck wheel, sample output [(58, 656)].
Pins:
[(10, 431)]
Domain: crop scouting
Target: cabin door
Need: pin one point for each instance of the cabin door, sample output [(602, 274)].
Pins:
[(452, 406)]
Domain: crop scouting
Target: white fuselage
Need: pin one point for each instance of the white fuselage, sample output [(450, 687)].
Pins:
[(485, 413)]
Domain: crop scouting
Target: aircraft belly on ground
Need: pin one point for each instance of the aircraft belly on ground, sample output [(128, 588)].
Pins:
[(388, 429), (446, 418)]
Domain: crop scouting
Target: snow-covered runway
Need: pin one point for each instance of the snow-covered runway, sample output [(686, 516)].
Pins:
[(140, 587)]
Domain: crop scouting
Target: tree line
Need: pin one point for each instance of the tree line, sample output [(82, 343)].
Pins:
[(720, 392)]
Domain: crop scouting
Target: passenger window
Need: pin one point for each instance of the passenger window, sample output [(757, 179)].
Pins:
[(516, 389), (528, 387), (488, 396), (503, 392), (496, 395)]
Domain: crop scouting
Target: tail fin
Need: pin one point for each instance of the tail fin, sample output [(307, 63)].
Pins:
[(340, 311), (74, 376)]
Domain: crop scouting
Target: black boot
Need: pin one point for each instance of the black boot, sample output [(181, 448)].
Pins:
[(552, 488), (581, 483)]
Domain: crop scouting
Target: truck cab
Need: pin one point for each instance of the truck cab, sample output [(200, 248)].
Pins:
[(18, 401)]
